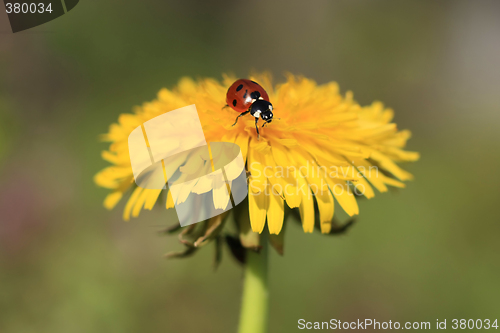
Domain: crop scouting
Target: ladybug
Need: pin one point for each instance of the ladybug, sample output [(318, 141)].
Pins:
[(246, 96)]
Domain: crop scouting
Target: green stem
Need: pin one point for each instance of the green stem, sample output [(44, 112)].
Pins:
[(255, 303)]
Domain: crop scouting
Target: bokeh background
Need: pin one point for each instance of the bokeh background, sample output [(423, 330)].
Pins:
[(427, 252)]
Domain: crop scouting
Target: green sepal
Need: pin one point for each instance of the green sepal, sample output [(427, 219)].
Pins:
[(339, 228), (237, 250), (212, 229), (219, 241), (171, 229), (189, 251)]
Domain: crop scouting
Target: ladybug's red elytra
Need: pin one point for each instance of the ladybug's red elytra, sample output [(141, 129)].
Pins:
[(246, 96)]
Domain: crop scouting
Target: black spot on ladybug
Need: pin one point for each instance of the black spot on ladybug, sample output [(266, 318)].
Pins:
[(239, 87), (234, 102), (246, 92), (255, 95)]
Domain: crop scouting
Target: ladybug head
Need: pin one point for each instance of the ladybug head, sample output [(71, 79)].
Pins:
[(264, 108)]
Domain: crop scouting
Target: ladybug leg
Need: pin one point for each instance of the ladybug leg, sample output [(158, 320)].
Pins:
[(257, 128), (242, 114)]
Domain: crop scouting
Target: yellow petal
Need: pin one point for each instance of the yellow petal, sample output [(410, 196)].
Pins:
[(275, 212), (287, 172), (130, 203), (112, 177), (112, 199), (242, 141), (306, 210), (326, 209), (258, 180), (387, 164), (392, 182), (170, 200), (258, 203), (344, 196), (316, 180), (140, 202), (152, 198), (364, 188), (371, 173), (220, 196)]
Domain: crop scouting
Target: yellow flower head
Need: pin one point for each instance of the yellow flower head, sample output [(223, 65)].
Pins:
[(323, 147)]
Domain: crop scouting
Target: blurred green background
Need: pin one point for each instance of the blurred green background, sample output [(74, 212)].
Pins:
[(427, 252)]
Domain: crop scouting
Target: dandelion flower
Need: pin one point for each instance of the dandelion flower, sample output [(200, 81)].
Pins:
[(324, 147)]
